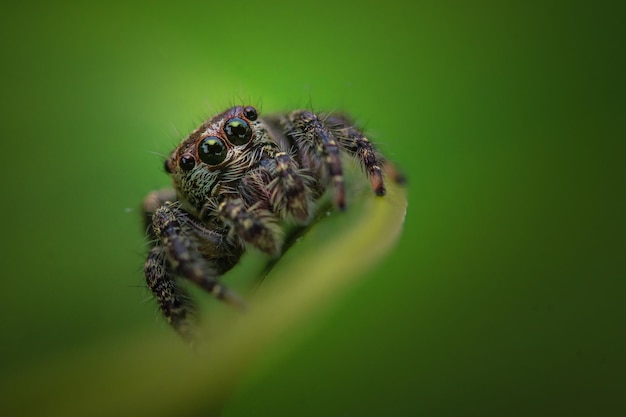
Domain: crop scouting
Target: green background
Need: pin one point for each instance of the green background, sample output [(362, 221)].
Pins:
[(505, 294)]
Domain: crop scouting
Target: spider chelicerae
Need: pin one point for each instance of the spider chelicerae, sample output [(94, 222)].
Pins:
[(237, 180)]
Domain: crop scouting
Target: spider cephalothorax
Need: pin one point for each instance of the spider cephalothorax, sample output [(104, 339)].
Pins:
[(237, 179)]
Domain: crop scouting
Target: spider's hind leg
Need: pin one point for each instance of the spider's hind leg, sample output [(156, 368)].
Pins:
[(356, 143)]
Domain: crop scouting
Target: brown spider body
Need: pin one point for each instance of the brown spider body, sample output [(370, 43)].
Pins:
[(237, 178)]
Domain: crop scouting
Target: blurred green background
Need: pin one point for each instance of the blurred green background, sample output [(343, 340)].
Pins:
[(505, 294)]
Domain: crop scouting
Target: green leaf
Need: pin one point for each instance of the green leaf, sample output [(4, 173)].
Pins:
[(156, 374)]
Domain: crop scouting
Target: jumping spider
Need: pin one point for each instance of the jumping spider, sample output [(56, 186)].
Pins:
[(237, 179)]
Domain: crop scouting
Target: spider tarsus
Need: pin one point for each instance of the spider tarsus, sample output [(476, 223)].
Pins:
[(339, 192), (301, 214), (394, 173), (232, 298), (376, 180), (339, 202)]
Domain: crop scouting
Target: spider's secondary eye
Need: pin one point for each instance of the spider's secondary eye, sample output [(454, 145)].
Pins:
[(212, 150), (166, 166), (250, 113), (186, 163), (238, 131)]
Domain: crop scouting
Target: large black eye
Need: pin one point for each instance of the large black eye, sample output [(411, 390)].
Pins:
[(186, 163), (250, 113), (212, 150), (238, 131)]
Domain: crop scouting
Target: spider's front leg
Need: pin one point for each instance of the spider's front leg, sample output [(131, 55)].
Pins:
[(255, 225), (276, 188), (288, 188), (174, 302), (183, 247), (181, 238)]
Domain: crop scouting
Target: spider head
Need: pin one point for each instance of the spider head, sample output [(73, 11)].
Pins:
[(219, 151)]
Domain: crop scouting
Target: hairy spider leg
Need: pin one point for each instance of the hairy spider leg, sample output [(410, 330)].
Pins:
[(311, 135), (175, 304), (289, 187), (179, 245), (370, 159), (151, 203), (357, 144), (254, 225)]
